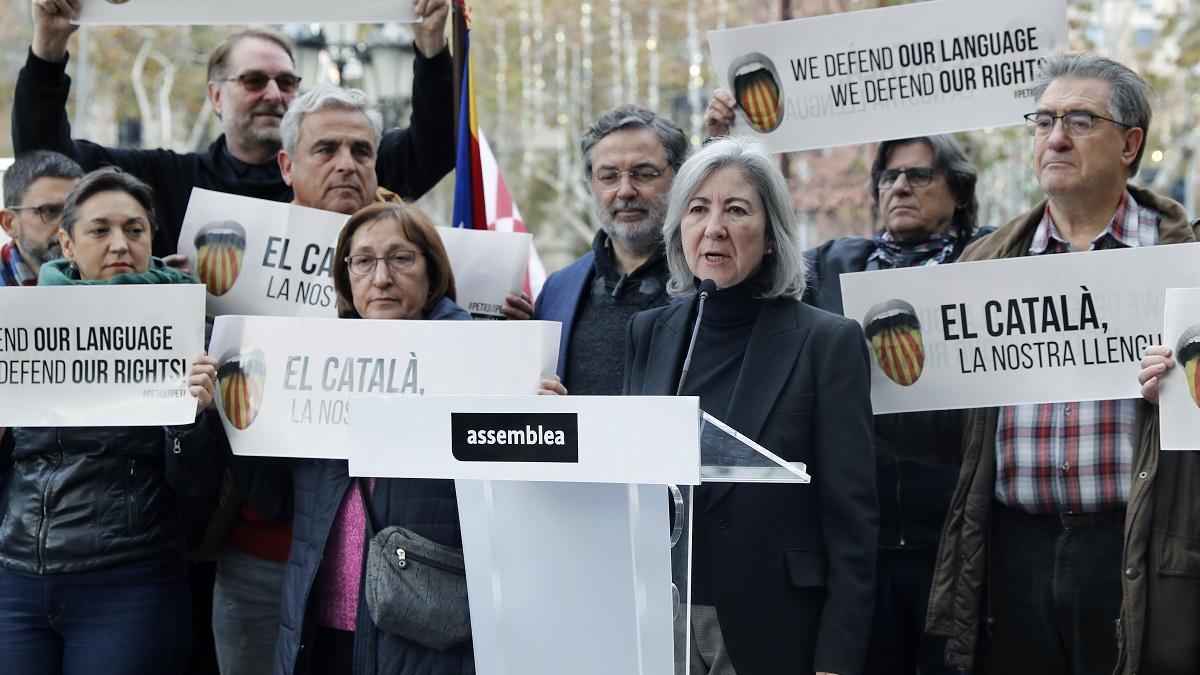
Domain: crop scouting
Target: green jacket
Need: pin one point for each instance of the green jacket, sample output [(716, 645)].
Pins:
[(956, 600)]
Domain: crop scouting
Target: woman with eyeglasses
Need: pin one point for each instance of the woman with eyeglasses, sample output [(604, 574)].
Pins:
[(389, 264), (923, 191), (92, 571)]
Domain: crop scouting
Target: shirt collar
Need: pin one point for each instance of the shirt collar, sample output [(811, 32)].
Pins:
[(15, 269), (1122, 229)]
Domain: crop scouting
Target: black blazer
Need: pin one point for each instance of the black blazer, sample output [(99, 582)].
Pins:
[(793, 565)]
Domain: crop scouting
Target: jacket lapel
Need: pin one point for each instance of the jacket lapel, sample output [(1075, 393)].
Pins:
[(775, 343), (669, 337)]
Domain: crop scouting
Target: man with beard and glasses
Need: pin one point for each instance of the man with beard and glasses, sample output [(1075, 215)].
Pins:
[(630, 155), (251, 82), (35, 188)]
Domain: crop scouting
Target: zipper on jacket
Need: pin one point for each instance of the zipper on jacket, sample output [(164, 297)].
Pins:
[(899, 502), (404, 557), (43, 525), (175, 448)]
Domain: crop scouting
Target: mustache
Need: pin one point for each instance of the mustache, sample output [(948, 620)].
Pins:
[(621, 205), (269, 108)]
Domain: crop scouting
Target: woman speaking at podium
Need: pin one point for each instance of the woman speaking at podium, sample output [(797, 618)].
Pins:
[(782, 575)]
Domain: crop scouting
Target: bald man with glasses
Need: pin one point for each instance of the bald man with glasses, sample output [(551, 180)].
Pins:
[(251, 82)]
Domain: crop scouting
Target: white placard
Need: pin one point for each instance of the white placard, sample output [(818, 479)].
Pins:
[(285, 384), (1039, 329), (895, 72), (219, 12), (1179, 392), (275, 259), (99, 355), (562, 438), (487, 266), (261, 257)]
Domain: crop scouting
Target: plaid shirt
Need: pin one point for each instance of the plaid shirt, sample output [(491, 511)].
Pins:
[(1072, 457), (13, 270)]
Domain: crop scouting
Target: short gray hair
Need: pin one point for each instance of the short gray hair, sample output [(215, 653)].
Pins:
[(626, 117), (325, 97), (785, 268), (1130, 100)]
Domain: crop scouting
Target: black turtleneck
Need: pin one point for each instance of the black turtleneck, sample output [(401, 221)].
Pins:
[(729, 316)]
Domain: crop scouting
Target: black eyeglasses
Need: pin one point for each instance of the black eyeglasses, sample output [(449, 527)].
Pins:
[(49, 213), (397, 263), (918, 176), (642, 177), (255, 81), (1075, 122)]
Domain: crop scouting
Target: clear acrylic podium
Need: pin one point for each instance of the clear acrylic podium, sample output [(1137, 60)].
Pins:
[(577, 545)]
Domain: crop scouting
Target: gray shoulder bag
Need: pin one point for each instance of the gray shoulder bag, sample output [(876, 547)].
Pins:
[(415, 588)]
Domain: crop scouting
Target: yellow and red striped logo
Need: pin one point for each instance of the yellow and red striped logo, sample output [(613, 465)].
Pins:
[(894, 332), (220, 247), (756, 87), (242, 377), (1188, 354)]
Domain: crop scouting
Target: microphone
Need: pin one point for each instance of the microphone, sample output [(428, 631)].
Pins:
[(707, 286)]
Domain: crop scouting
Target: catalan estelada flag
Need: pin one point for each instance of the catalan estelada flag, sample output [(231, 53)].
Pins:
[(220, 247), (468, 174), (1188, 355), (898, 346), (758, 94), (482, 200), (241, 378)]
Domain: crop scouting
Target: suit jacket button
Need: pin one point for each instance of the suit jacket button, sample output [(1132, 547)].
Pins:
[(721, 521), (1131, 572)]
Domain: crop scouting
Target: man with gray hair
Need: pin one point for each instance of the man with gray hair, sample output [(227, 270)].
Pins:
[(630, 156), (330, 138), (1048, 530), (251, 81)]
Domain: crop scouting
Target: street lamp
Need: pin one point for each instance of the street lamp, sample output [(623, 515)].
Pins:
[(382, 65)]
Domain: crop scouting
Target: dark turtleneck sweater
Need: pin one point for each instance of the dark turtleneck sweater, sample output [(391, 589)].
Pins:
[(729, 316)]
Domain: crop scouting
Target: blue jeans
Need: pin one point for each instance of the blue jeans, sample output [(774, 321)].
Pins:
[(131, 619), (245, 617)]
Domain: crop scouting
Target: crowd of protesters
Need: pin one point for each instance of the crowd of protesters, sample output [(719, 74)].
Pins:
[(1049, 538)]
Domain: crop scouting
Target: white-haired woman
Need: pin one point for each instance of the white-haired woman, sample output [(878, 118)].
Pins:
[(783, 575)]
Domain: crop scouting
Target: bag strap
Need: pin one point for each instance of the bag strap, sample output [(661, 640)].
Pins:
[(367, 507)]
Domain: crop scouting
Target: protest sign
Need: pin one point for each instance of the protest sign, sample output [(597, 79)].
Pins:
[(218, 12), (487, 266), (894, 72), (273, 259), (261, 257), (99, 355), (285, 383), (1041, 329), (1179, 390)]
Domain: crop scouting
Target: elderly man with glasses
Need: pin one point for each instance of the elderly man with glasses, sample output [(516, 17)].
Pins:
[(1066, 543), (630, 156), (251, 82), (35, 189)]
